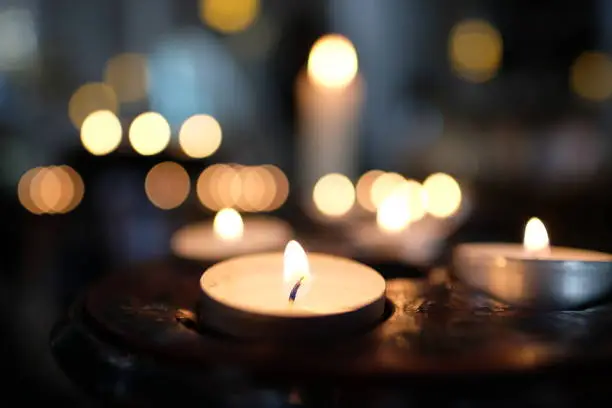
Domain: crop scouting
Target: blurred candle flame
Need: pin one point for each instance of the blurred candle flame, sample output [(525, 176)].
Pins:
[(228, 225), (332, 62), (393, 214), (383, 186), (364, 187), (536, 238)]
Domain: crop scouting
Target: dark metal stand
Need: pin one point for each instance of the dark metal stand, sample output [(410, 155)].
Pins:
[(132, 339)]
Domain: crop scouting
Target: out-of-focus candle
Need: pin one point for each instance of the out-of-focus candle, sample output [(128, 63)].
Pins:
[(401, 231), (229, 235), (290, 294), (329, 97)]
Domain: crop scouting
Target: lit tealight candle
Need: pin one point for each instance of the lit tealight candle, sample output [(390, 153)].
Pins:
[(400, 232), (290, 294), (229, 235), (534, 274)]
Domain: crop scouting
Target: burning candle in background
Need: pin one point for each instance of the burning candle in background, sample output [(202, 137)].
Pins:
[(290, 294), (534, 274), (396, 234), (404, 228), (229, 235), (329, 97)]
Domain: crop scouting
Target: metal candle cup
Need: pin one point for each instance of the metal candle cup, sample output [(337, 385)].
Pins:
[(227, 237), (256, 296), (554, 278)]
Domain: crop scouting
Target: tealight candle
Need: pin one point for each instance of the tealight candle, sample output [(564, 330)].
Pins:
[(290, 294), (534, 274), (401, 230), (229, 235)]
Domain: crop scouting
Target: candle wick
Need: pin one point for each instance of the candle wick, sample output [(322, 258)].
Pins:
[(295, 289)]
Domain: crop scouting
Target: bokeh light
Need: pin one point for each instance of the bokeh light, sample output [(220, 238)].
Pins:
[(206, 186), (334, 195), (384, 185), (475, 50), (200, 136), (333, 61), (101, 132), (149, 133), (259, 189), (228, 187), (167, 185), (90, 98), (23, 191), (252, 189), (228, 225), (127, 75), (364, 188), (281, 187), (442, 195), (78, 188), (50, 190), (393, 214), (46, 189), (415, 198), (229, 16), (591, 76), (247, 188)]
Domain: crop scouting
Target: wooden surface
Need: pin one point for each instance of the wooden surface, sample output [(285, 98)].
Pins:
[(439, 344), (430, 331)]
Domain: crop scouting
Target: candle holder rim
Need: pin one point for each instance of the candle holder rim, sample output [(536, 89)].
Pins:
[(606, 257)]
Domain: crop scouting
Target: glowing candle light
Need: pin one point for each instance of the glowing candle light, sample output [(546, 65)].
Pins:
[(290, 294), (329, 96), (230, 235), (534, 274)]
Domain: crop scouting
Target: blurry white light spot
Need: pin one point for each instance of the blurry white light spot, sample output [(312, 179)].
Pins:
[(101, 133), (333, 61), (228, 225), (149, 133), (200, 136), (334, 194)]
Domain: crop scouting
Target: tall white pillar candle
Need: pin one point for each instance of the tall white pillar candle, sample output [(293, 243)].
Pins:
[(329, 99)]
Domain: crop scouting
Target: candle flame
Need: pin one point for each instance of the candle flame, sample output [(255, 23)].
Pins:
[(295, 263), (536, 237), (332, 62), (228, 225), (393, 214)]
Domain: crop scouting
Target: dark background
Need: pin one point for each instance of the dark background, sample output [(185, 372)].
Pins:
[(525, 141)]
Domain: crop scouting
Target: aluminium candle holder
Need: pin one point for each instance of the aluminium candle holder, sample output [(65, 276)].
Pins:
[(544, 284), (139, 329)]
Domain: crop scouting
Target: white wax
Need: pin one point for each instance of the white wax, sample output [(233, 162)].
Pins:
[(199, 241), (328, 134), (254, 285), (475, 251)]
